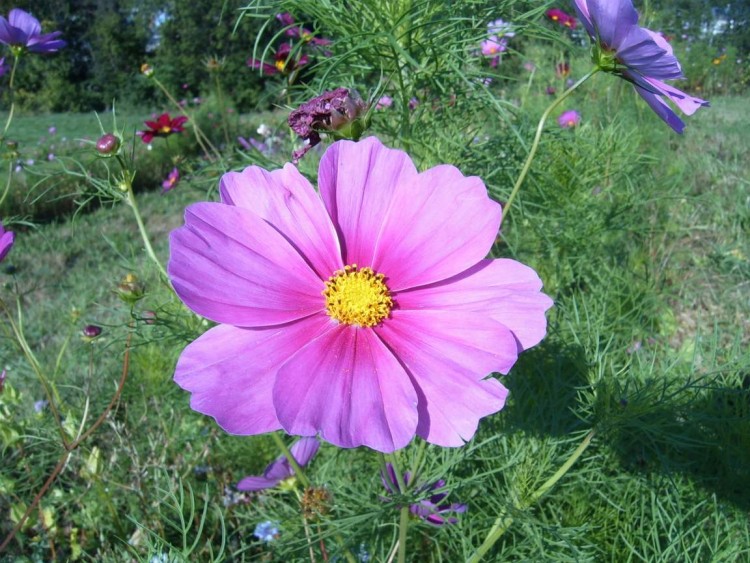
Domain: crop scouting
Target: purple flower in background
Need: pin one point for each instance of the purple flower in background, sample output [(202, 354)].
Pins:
[(2, 381), (337, 112), (278, 470), (267, 531), (384, 102), (6, 241), (501, 28), (23, 31), (52, 130), (364, 312), (40, 405), (287, 20), (433, 509), (638, 55), (284, 63), (494, 46), (171, 180), (4, 68), (569, 119)]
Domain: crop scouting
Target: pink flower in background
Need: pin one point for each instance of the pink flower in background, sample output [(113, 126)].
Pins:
[(6, 241), (170, 181), (569, 119), (164, 126), (284, 62), (494, 46), (287, 20), (364, 314), (384, 102), (278, 470), (638, 55), (23, 31), (562, 18)]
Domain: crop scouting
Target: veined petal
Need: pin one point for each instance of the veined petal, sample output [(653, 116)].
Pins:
[(641, 52), (230, 266), (504, 289), (25, 22), (448, 354), (441, 225), (357, 182), (287, 201), (687, 104), (661, 109), (231, 371), (612, 20), (347, 386)]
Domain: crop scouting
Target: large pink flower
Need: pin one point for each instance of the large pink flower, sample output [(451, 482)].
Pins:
[(366, 314)]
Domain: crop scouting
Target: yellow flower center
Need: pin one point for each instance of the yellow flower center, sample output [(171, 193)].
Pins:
[(166, 129), (357, 296), (280, 65)]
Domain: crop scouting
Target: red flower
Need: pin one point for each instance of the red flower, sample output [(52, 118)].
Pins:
[(162, 127), (564, 19), (283, 63)]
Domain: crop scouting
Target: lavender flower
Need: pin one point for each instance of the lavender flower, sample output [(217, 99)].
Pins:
[(267, 531), (22, 31), (303, 451)]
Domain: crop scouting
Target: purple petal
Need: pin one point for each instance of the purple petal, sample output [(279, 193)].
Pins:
[(437, 226), (231, 266), (304, 450), (357, 182), (612, 20), (639, 51), (285, 199), (582, 10), (6, 241), (687, 104), (661, 109), (25, 22), (255, 483), (448, 354), (347, 386), (504, 289)]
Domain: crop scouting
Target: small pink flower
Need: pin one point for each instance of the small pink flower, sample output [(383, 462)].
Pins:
[(384, 102), (569, 119), (171, 180), (6, 242)]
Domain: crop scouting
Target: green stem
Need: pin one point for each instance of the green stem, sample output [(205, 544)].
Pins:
[(7, 183), (12, 95), (130, 199), (293, 462), (403, 527), (504, 521), (223, 109), (538, 136)]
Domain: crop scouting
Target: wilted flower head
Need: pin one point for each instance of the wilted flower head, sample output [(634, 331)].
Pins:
[(23, 32), (364, 313), (108, 144), (277, 471), (170, 181), (267, 531), (162, 127), (569, 119), (562, 18), (6, 241), (638, 55), (433, 509), (284, 62), (338, 112)]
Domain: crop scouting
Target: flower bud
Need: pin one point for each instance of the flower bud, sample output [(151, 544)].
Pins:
[(130, 289), (90, 332), (147, 70), (108, 144)]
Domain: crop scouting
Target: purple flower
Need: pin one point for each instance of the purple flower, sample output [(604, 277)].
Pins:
[(433, 509), (569, 119), (284, 62), (23, 31), (364, 312), (2, 381), (501, 28), (278, 470), (494, 46), (267, 531), (337, 112), (171, 180), (638, 55), (6, 241), (52, 130), (384, 102), (287, 20), (40, 405)]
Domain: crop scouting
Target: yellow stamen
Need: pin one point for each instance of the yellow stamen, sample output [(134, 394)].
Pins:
[(357, 296), (166, 129), (281, 65)]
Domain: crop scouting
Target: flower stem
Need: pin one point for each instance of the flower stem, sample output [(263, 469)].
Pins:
[(403, 527), (12, 95), (538, 136), (130, 199), (293, 462), (504, 521)]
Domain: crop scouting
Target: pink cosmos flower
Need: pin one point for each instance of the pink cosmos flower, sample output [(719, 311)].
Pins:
[(638, 55), (170, 181), (569, 119), (6, 241), (365, 313), (278, 470), (494, 46)]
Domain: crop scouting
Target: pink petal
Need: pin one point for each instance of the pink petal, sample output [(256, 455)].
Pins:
[(304, 450), (231, 371), (448, 354), (357, 182), (504, 289), (687, 104), (347, 386), (231, 266), (285, 199), (436, 227)]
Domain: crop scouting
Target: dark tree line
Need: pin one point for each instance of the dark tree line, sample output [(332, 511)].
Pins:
[(108, 40)]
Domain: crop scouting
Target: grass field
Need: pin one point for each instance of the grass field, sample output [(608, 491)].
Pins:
[(641, 238)]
